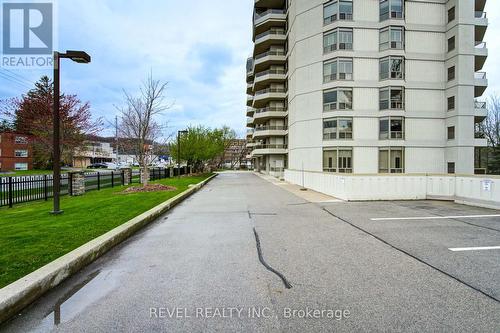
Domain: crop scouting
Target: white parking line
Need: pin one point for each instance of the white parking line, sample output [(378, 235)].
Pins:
[(432, 217), (458, 249)]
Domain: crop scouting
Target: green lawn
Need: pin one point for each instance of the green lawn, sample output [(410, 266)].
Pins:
[(30, 237)]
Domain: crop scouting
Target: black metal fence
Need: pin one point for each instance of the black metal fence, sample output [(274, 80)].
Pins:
[(15, 190)]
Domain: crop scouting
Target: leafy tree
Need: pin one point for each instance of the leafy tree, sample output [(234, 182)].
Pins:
[(32, 114), (6, 126), (202, 146)]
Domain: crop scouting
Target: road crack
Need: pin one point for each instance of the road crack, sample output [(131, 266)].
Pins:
[(266, 265)]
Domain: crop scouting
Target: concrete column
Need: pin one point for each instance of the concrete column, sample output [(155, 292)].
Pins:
[(77, 183), (171, 172), (127, 175)]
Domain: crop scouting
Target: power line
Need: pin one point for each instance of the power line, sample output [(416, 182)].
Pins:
[(10, 79), (19, 76)]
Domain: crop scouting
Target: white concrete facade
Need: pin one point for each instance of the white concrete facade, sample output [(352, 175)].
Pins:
[(377, 86)]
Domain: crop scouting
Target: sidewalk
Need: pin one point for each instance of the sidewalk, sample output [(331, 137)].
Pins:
[(309, 195)]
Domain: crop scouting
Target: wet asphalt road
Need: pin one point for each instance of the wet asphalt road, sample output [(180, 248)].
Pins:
[(359, 274)]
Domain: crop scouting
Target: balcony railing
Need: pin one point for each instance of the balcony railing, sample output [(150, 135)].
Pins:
[(480, 75), (480, 45), (479, 105), (480, 15), (270, 146), (269, 12), (271, 128), (278, 32), (271, 71), (270, 53), (270, 90), (271, 109)]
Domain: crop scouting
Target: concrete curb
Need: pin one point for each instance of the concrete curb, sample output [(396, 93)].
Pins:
[(19, 294)]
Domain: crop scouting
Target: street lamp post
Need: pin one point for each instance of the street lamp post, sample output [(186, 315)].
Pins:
[(80, 57), (179, 152)]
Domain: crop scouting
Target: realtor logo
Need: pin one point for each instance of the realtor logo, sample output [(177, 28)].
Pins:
[(27, 28)]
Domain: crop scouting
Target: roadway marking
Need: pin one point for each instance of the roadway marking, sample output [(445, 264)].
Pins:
[(459, 249), (433, 217)]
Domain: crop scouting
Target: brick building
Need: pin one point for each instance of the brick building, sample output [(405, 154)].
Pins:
[(16, 152)]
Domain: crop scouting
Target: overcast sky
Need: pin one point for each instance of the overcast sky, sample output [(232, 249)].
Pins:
[(200, 47)]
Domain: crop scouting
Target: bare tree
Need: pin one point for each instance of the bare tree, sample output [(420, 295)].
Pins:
[(139, 122), (491, 126)]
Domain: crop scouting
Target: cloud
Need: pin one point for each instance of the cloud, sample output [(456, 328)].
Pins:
[(199, 47)]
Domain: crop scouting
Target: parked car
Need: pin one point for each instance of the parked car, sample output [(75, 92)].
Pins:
[(97, 166)]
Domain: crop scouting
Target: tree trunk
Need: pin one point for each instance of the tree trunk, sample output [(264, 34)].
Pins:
[(144, 176)]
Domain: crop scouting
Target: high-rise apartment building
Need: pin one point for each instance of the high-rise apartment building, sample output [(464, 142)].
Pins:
[(367, 86)]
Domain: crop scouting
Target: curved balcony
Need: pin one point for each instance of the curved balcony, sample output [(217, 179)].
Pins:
[(250, 100), (480, 55), (250, 88), (480, 83), (268, 131), (250, 111), (268, 58), (250, 144), (268, 19), (270, 37), (264, 96), (269, 149), (264, 114), (481, 24), (250, 133), (250, 122), (480, 111), (270, 3), (265, 78)]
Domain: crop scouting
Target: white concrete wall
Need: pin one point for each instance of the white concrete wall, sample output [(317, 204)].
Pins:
[(471, 190)]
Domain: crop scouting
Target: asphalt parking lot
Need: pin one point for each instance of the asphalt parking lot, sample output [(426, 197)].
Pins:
[(318, 266)]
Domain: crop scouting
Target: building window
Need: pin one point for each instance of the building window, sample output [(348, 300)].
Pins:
[(337, 99), (337, 128), (21, 140), (338, 69), (391, 9), (339, 39), (337, 160), (451, 14), (21, 166), (391, 98), (392, 68), (451, 73), (451, 103), (451, 44), (391, 160), (451, 167), (391, 38), (21, 153), (391, 128), (337, 10), (451, 133)]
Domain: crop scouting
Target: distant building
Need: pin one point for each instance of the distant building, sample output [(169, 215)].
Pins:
[(94, 152), (236, 155), (16, 152)]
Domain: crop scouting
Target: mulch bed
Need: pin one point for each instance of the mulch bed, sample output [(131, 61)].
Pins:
[(149, 188)]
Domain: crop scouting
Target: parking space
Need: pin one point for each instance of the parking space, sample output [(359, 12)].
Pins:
[(459, 240)]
